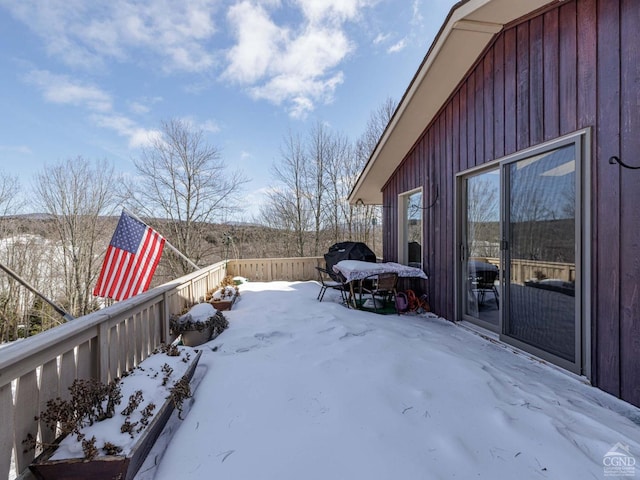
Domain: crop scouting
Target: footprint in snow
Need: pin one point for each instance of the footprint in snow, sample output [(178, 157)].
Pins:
[(267, 336), (355, 334)]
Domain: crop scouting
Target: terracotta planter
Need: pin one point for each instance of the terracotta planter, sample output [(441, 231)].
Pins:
[(222, 305), (108, 467), (226, 302)]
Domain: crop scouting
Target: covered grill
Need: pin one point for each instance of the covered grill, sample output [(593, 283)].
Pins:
[(348, 251)]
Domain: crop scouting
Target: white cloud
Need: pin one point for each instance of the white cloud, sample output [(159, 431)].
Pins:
[(288, 53), (143, 105), (86, 34), (416, 17), (381, 38), (21, 149), (294, 65), (62, 89), (258, 42), (398, 46), (137, 136), (332, 10), (209, 126), (139, 108), (142, 137)]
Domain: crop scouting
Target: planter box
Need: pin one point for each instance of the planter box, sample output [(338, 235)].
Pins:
[(193, 338), (222, 305), (111, 467)]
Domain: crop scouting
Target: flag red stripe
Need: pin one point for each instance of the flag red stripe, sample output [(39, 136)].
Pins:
[(115, 268), (155, 260), (106, 274), (145, 258), (141, 263), (117, 271), (125, 274), (149, 258), (122, 275), (99, 289)]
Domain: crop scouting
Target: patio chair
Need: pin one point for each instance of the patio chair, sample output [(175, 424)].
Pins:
[(486, 282), (333, 281), (382, 286)]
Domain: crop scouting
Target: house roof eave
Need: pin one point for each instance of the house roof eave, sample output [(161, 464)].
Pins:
[(470, 26)]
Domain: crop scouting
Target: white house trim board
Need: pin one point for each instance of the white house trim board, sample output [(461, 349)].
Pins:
[(469, 28)]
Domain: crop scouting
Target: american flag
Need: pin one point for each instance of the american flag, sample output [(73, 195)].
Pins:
[(131, 260)]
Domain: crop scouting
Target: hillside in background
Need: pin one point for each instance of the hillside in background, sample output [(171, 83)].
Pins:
[(218, 241)]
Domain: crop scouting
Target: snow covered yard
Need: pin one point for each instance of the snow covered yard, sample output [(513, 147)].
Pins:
[(298, 389)]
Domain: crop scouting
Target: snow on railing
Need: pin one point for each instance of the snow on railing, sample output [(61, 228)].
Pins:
[(101, 345)]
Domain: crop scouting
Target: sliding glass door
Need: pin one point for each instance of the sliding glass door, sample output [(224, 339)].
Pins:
[(520, 233), (540, 252)]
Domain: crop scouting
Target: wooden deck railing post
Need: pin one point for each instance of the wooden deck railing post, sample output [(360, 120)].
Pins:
[(6, 432), (164, 321), (102, 355)]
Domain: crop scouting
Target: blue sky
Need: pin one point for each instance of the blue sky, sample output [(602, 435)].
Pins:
[(96, 78)]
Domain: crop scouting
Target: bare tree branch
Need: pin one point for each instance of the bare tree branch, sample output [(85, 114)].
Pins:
[(182, 179)]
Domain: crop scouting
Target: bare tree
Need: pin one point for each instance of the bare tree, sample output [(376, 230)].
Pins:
[(313, 180), (340, 174), (182, 178), (31, 255), (376, 125), (287, 203), (12, 306), (76, 193), (364, 221), (320, 151)]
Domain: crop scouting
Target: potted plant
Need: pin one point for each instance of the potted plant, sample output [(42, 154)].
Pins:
[(107, 430), (198, 325), (224, 296)]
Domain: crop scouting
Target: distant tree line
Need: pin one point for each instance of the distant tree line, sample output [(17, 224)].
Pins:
[(311, 182), (184, 190)]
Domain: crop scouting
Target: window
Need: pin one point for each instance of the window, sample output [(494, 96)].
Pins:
[(410, 231)]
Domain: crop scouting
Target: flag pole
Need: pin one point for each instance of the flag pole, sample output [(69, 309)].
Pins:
[(67, 316), (166, 242)]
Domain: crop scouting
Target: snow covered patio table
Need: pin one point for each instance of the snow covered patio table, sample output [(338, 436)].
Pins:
[(356, 271), (298, 389)]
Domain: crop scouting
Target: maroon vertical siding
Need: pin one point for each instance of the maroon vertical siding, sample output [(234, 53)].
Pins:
[(499, 98), (551, 67), (630, 211), (522, 86), (568, 59), (606, 198), (572, 67), (510, 125), (536, 81)]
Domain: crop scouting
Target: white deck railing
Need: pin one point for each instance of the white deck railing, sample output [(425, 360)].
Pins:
[(102, 345), (272, 269)]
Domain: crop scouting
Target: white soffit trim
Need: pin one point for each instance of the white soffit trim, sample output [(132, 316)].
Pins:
[(470, 27)]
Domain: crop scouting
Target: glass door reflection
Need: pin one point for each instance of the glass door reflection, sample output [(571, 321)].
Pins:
[(540, 229), (481, 248)]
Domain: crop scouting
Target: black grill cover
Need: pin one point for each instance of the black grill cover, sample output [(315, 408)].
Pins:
[(348, 251)]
